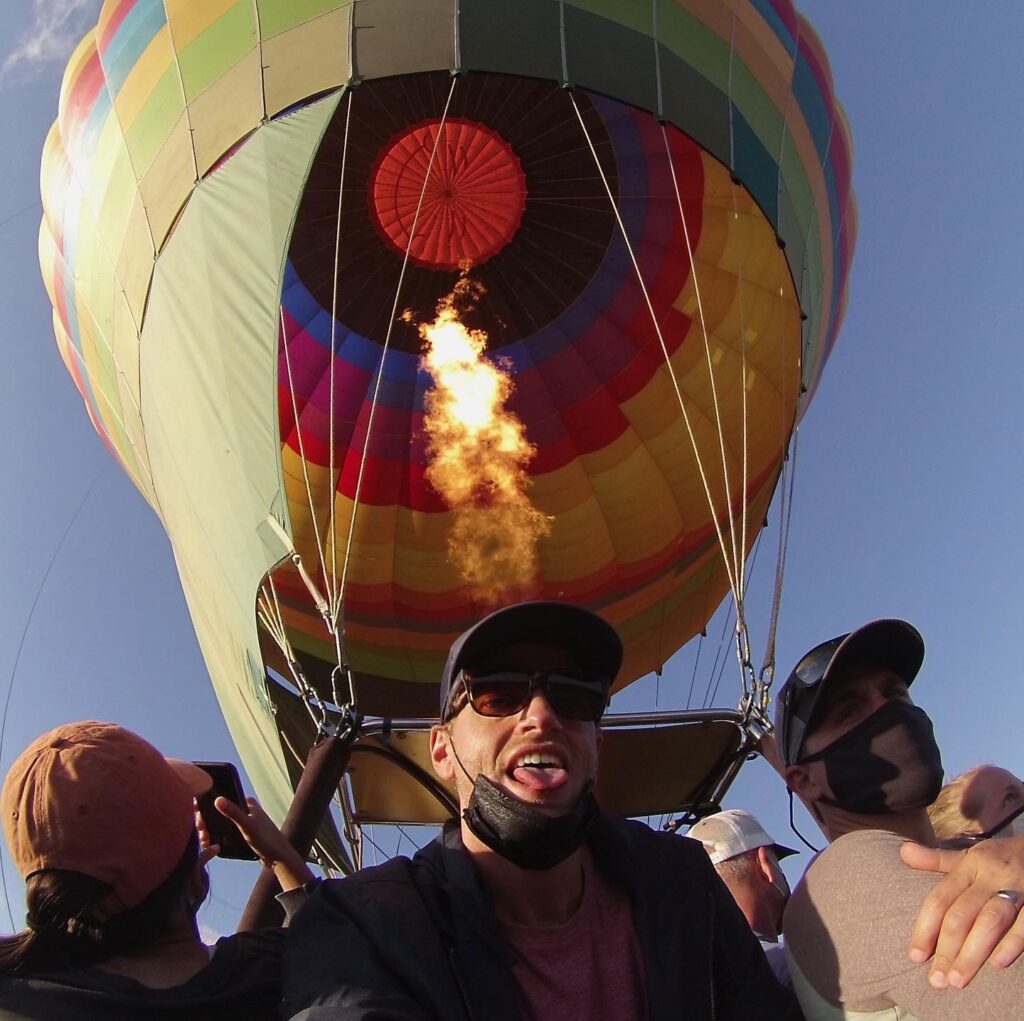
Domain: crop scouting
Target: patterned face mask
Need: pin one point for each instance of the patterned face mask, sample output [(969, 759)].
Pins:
[(887, 763)]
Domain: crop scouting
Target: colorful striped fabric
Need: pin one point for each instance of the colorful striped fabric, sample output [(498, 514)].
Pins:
[(726, 156)]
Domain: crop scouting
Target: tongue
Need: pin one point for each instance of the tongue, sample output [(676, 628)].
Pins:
[(540, 778)]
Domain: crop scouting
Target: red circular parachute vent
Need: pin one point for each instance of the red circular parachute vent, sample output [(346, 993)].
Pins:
[(473, 200)]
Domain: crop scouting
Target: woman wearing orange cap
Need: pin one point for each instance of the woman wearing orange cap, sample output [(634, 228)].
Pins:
[(102, 828)]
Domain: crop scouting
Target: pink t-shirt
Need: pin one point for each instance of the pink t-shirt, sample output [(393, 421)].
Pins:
[(588, 968)]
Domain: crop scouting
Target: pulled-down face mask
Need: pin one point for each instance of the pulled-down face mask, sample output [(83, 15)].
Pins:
[(521, 832), (888, 763)]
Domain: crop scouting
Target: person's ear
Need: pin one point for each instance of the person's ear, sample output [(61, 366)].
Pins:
[(801, 781), (765, 864), (440, 752)]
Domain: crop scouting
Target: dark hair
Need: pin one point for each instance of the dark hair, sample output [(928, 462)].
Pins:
[(64, 929)]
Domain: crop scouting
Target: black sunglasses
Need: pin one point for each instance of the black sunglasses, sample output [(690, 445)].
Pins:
[(970, 839), (793, 699), (573, 696)]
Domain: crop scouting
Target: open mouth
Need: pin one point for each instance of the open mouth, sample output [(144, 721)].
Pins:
[(540, 771)]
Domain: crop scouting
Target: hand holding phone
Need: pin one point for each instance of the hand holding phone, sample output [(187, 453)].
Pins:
[(221, 830)]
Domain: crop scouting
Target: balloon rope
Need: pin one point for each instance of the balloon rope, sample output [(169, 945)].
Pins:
[(21, 646), (266, 616), (749, 666), (660, 109), (767, 671), (741, 623), (738, 551), (743, 399), (270, 615), (737, 557), (766, 675), (259, 57), (353, 830), (383, 355), (322, 604), (333, 588), (378, 851), (729, 95), (785, 517), (664, 348), (563, 50), (716, 670), (743, 635), (367, 833), (696, 662), (768, 668)]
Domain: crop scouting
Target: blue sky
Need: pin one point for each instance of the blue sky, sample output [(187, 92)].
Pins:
[(909, 465)]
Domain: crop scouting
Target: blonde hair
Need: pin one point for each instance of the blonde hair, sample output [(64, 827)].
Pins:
[(945, 813)]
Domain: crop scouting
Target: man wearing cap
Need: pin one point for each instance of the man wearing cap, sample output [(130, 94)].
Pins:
[(863, 757), (747, 860), (533, 904)]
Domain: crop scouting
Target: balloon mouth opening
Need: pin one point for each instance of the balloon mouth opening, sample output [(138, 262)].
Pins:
[(450, 193)]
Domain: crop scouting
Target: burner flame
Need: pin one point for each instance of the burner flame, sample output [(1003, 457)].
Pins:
[(477, 456)]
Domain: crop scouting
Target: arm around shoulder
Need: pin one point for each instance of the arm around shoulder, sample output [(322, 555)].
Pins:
[(848, 930)]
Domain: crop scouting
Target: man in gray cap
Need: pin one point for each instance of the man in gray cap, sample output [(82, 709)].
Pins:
[(747, 860), (533, 904), (863, 757)]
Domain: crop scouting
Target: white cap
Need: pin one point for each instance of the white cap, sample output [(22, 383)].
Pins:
[(733, 832)]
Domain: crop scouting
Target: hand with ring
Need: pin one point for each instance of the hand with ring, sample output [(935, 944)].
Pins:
[(973, 914)]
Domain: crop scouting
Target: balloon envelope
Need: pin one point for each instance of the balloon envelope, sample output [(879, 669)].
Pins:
[(239, 199)]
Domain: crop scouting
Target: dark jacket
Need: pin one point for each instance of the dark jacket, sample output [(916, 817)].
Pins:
[(418, 939), (242, 980)]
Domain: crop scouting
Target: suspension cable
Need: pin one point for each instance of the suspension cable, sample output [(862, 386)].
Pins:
[(322, 604), (270, 615), (384, 351), (333, 582), (767, 673), (737, 556), (664, 347)]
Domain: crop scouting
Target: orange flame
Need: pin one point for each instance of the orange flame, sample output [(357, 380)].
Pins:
[(477, 456)]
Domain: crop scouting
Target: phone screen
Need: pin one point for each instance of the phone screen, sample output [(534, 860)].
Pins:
[(226, 784)]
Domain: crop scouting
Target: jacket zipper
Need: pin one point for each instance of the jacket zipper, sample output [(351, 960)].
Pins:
[(458, 982), (711, 956)]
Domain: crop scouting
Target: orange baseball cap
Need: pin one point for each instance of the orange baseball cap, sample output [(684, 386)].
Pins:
[(95, 798)]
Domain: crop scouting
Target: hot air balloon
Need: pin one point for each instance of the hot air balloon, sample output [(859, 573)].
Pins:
[(249, 207)]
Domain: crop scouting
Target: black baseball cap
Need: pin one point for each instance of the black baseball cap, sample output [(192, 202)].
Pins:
[(888, 643), (592, 642)]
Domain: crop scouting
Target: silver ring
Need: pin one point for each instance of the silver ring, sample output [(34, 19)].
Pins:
[(1011, 895)]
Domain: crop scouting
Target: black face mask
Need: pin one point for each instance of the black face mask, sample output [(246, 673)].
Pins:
[(887, 763), (521, 832)]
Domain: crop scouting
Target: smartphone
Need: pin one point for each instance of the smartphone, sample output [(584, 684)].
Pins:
[(226, 784)]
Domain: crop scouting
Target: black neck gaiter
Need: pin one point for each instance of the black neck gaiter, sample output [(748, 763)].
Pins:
[(521, 832)]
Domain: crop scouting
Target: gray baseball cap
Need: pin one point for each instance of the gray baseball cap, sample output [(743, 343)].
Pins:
[(889, 643), (592, 642)]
